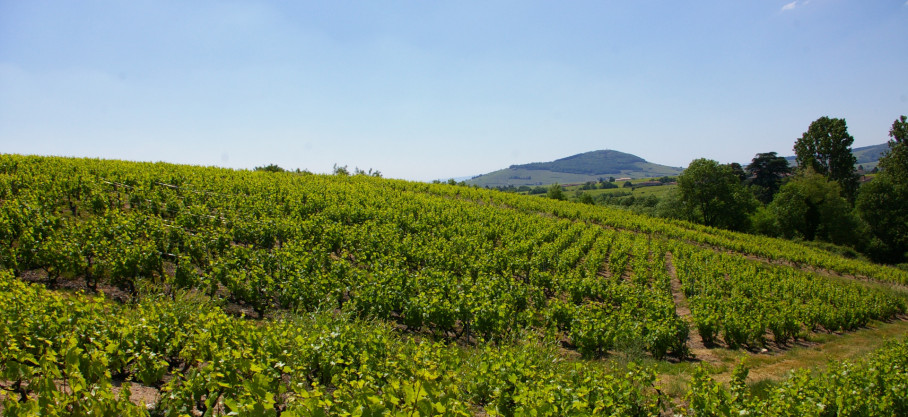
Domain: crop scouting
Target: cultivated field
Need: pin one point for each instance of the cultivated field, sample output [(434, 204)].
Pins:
[(156, 289)]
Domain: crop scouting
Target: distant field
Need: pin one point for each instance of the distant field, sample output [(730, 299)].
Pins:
[(658, 191)]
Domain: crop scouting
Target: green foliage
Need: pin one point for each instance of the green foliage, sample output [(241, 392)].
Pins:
[(764, 221), (738, 171), (825, 148), (555, 192), (269, 168), (882, 202), (59, 355), (895, 161), (712, 194), (882, 205), (446, 265), (873, 387), (340, 170), (538, 190), (740, 302), (584, 198), (767, 171), (589, 163), (372, 173), (707, 397), (810, 207)]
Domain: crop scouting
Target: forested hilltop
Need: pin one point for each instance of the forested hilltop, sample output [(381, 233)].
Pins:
[(156, 289)]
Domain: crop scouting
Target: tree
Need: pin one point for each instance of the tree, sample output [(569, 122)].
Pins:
[(826, 149), (341, 170), (895, 161), (711, 194), (811, 207), (738, 170), (584, 198), (269, 168), (766, 172), (882, 202), (538, 190), (370, 173), (555, 192)]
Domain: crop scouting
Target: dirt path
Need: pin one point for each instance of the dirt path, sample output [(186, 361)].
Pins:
[(698, 350)]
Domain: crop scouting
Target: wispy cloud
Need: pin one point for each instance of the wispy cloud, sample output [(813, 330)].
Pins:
[(794, 4)]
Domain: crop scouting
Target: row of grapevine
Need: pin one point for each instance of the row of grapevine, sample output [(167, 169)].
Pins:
[(873, 387), (385, 249), (765, 247), (66, 355), (311, 242), (335, 267), (742, 301)]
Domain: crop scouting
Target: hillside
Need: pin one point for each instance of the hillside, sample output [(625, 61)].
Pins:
[(580, 168), (156, 289), (868, 154), (589, 163)]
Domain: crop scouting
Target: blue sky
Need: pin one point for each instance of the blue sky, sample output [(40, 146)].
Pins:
[(424, 90)]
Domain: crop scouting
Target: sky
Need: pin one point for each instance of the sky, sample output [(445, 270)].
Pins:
[(425, 90)]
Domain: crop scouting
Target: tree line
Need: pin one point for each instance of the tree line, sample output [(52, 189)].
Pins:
[(821, 199)]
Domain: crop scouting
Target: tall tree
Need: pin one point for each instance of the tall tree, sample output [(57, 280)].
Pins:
[(767, 171), (825, 148), (712, 194), (883, 203), (896, 159)]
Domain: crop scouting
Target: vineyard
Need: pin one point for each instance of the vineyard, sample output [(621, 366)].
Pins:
[(222, 292)]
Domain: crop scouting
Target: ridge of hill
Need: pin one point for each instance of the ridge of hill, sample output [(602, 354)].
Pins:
[(579, 168)]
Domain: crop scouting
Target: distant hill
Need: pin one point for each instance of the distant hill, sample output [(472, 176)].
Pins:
[(868, 156), (589, 163), (588, 166)]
